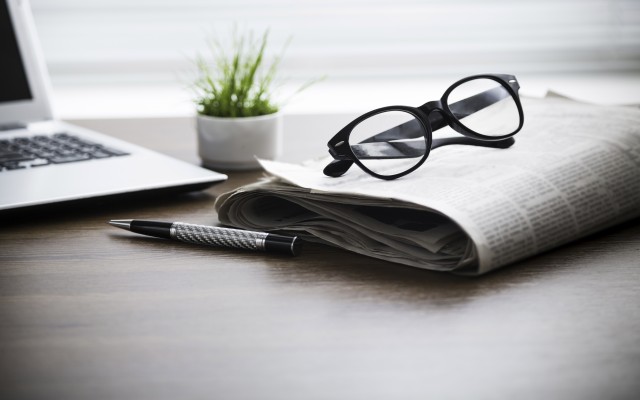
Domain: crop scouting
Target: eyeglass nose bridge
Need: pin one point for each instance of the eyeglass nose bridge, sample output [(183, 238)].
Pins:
[(435, 105), (438, 119)]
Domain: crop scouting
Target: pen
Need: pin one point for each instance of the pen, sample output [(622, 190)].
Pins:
[(212, 235)]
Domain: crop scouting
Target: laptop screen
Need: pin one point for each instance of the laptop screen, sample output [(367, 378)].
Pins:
[(13, 79)]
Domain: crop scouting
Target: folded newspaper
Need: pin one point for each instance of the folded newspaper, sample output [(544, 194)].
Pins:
[(574, 170)]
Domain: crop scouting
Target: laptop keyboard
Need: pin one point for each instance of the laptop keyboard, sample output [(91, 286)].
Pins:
[(43, 150)]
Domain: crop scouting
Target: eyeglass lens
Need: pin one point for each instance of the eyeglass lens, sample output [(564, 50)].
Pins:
[(495, 112), (405, 147)]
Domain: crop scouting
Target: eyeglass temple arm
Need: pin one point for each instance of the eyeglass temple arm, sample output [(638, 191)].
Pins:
[(460, 109), (499, 144), (473, 104), (338, 167)]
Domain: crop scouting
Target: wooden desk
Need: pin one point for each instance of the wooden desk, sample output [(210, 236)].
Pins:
[(91, 312)]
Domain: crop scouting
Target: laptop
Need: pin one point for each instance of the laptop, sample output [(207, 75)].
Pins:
[(44, 161)]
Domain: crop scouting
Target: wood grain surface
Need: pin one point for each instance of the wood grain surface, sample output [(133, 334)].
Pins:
[(91, 312)]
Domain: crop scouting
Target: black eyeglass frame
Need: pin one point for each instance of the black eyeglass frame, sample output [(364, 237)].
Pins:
[(340, 148)]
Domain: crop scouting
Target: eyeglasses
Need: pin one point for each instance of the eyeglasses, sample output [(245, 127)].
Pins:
[(393, 141)]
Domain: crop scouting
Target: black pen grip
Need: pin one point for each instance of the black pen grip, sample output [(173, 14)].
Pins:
[(151, 228), (283, 244)]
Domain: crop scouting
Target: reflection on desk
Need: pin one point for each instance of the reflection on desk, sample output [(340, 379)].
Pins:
[(89, 312)]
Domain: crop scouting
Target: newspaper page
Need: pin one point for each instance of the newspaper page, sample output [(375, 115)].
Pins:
[(574, 170)]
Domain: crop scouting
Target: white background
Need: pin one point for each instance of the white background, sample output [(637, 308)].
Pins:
[(124, 57)]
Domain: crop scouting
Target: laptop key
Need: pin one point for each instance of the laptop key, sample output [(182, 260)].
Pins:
[(14, 156), (99, 154), (45, 153), (38, 162), (69, 158), (14, 166), (114, 152)]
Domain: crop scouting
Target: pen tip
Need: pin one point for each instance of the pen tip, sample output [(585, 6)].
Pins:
[(121, 223)]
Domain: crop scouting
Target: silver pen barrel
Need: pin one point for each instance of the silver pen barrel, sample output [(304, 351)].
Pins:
[(214, 236), (235, 238)]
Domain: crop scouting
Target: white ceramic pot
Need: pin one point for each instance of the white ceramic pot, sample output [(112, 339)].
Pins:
[(234, 143)]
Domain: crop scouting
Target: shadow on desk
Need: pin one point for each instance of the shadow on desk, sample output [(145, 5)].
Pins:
[(170, 202), (318, 264), (591, 256), (88, 311), (100, 205)]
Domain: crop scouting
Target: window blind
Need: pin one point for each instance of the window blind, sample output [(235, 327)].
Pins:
[(155, 41)]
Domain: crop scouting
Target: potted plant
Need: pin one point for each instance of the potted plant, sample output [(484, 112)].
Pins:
[(238, 119)]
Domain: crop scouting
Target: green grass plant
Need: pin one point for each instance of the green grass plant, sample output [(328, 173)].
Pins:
[(238, 83)]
